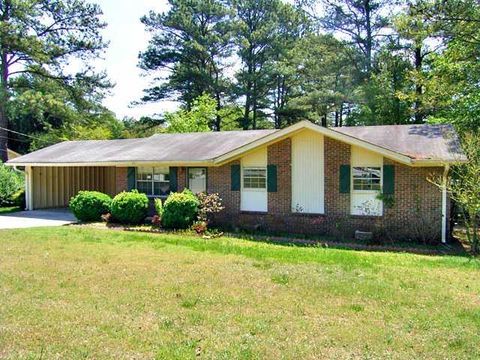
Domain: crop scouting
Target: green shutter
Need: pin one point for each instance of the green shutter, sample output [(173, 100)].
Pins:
[(173, 179), (272, 178), (235, 177), (131, 178), (344, 179), (388, 179)]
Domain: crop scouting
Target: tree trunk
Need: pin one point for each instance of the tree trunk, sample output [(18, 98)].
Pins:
[(4, 89), (418, 87), (368, 40)]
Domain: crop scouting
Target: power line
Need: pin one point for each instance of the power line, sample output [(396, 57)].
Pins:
[(23, 134)]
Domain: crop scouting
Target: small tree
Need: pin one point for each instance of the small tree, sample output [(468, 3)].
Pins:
[(463, 187)]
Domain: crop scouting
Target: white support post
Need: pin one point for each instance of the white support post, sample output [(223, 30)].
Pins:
[(444, 205), (28, 188)]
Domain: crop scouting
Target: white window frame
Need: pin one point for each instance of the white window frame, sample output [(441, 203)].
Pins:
[(367, 190), (254, 168), (152, 182), (206, 176)]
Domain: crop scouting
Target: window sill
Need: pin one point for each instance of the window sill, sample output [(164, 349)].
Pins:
[(308, 214), (248, 212)]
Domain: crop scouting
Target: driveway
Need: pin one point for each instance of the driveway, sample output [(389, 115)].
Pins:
[(35, 218)]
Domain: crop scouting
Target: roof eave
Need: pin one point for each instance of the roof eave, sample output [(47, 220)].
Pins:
[(114, 163)]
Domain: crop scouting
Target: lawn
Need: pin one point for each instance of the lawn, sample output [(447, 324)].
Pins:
[(75, 292), (9, 209)]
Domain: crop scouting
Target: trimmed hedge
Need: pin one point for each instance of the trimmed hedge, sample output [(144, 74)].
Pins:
[(129, 207), (180, 210), (90, 205)]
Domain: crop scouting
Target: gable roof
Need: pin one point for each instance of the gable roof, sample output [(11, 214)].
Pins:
[(415, 145)]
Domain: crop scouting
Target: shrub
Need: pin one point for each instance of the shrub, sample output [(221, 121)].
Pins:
[(159, 207), (90, 205), (11, 181), (180, 210), (208, 204), (129, 207)]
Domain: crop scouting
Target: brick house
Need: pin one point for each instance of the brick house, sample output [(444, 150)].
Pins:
[(301, 179)]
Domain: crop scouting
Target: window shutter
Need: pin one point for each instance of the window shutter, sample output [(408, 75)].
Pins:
[(344, 179), (272, 178), (173, 179), (388, 179), (131, 180), (235, 177)]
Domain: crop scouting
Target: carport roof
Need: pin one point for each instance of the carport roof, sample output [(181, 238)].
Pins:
[(429, 145), (188, 147)]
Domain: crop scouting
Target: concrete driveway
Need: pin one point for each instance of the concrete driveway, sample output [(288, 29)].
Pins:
[(35, 218)]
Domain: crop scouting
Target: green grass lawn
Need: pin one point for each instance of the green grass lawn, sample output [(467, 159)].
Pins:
[(9, 209), (79, 293)]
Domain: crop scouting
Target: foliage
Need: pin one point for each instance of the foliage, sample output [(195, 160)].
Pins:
[(11, 182), (90, 205), (209, 204), (387, 199), (38, 42), (192, 41), (199, 118), (158, 207), (462, 185), (129, 207), (180, 210)]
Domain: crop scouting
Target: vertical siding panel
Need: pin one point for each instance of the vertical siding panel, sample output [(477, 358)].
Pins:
[(308, 194)]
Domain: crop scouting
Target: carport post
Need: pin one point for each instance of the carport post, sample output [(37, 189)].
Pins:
[(28, 188)]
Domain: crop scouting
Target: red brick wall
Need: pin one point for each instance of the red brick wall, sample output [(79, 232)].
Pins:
[(121, 179), (417, 208), (280, 154)]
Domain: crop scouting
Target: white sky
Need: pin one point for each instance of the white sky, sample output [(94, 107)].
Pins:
[(127, 38)]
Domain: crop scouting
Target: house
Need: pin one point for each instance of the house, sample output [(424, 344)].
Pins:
[(12, 154), (303, 179)]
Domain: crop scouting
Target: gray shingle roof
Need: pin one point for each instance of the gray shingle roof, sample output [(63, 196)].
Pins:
[(189, 147), (420, 142)]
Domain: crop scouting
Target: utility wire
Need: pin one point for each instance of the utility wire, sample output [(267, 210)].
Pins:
[(23, 134)]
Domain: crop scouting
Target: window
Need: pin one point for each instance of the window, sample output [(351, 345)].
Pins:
[(367, 178), (153, 181), (255, 178), (197, 180)]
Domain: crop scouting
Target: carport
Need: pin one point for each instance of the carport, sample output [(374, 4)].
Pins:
[(53, 186)]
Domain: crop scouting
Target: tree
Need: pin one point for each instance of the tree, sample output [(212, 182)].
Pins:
[(196, 119), (462, 185), (39, 38), (325, 79), (256, 24), (190, 48)]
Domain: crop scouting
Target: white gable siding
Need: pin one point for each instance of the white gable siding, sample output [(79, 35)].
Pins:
[(308, 173), (365, 202), (254, 199)]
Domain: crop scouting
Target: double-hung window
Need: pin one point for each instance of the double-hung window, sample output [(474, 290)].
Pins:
[(367, 178), (153, 181), (197, 180), (255, 178)]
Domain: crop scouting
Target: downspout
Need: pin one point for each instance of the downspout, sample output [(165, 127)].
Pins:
[(444, 204)]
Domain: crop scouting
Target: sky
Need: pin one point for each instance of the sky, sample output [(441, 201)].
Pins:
[(127, 37)]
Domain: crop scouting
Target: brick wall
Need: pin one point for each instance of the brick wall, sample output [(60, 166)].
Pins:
[(121, 179), (417, 208), (417, 202)]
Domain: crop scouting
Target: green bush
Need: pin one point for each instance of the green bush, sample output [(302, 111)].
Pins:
[(90, 205), (180, 210), (11, 181), (129, 207), (159, 207)]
